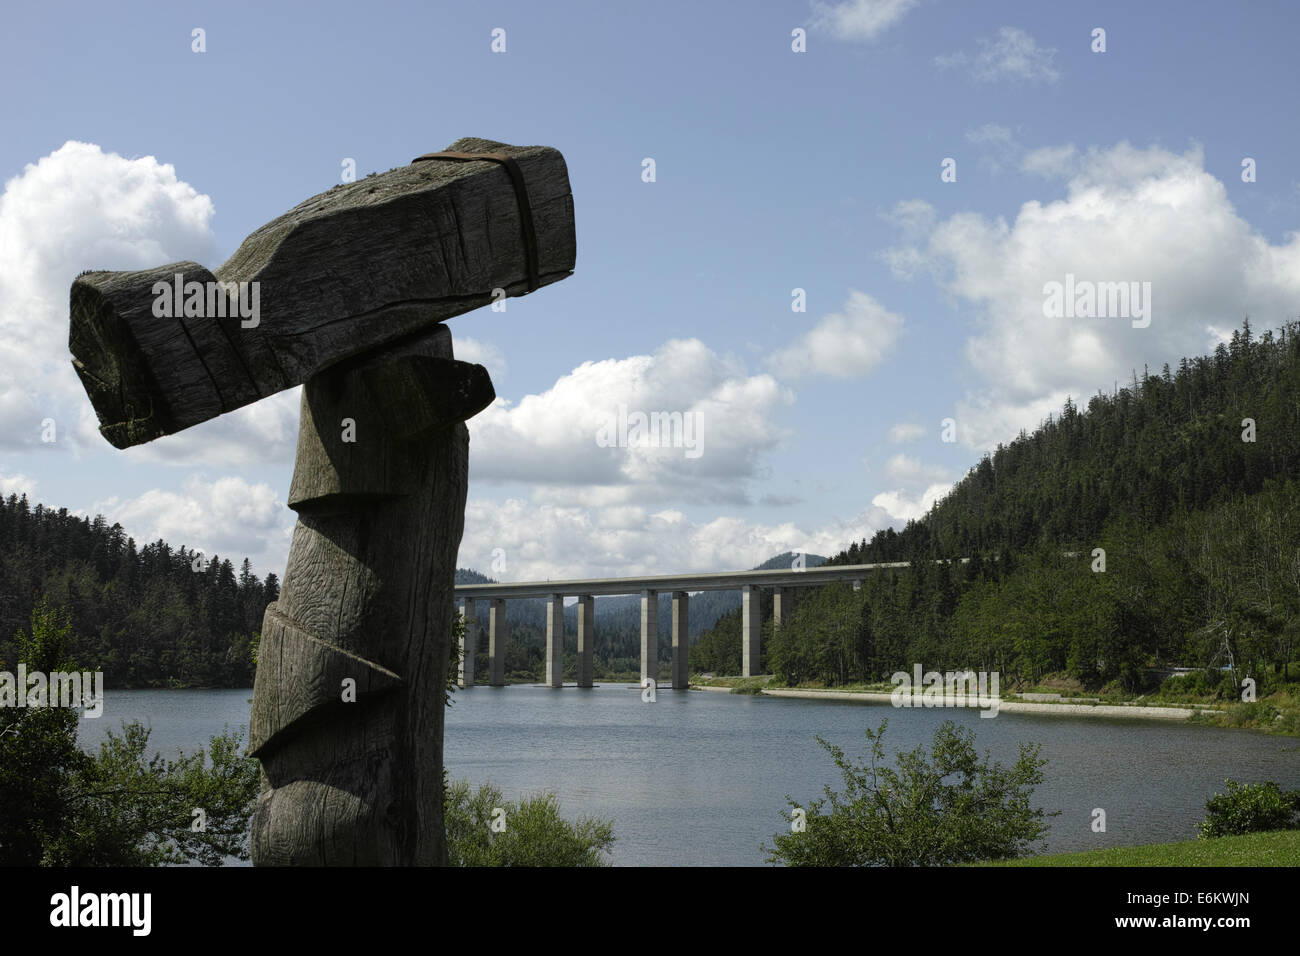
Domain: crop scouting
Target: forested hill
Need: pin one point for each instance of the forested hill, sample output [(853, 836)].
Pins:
[(1167, 444), (1160, 526), (146, 617)]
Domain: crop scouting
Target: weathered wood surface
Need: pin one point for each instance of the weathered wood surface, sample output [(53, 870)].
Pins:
[(368, 595), (349, 270)]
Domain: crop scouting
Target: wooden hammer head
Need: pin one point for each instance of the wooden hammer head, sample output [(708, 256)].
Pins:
[(346, 273)]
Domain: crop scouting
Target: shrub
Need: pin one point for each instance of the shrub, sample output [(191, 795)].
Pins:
[(936, 809), (1250, 808), (529, 832)]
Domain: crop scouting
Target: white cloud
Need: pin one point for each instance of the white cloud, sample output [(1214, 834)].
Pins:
[(543, 541), (1129, 215), (843, 344), (481, 353), (228, 517), (76, 209), (905, 507), (858, 19), (257, 434), (1012, 55), (551, 439), (905, 432), (1051, 161), (1219, 335), (997, 146), (913, 218), (18, 485), (912, 471)]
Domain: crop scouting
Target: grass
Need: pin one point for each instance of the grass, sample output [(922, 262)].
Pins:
[(1277, 848), (738, 685), (1278, 713)]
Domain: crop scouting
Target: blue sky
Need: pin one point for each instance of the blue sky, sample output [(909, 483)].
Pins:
[(775, 170)]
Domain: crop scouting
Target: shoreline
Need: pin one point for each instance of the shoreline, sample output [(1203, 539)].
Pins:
[(1009, 706)]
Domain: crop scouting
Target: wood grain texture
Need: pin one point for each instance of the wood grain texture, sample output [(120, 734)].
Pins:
[(348, 271), (368, 595)]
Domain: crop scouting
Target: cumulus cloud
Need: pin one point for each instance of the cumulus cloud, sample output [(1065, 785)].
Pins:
[(858, 19), (540, 541), (1128, 215), (905, 432), (843, 344), (263, 432), (17, 485), (1051, 161), (906, 507), (228, 517), (591, 436), (913, 471), (75, 209), (1011, 55)]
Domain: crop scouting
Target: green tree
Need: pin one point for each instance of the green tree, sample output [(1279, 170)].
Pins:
[(132, 809), (483, 829), (935, 809), (60, 806), (38, 749)]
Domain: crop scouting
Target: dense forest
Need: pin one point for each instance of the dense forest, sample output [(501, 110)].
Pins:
[(1160, 526), (146, 617)]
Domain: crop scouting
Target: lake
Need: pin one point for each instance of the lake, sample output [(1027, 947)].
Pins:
[(700, 778)]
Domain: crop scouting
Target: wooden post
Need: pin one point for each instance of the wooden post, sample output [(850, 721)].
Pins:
[(348, 271), (348, 701), (345, 294)]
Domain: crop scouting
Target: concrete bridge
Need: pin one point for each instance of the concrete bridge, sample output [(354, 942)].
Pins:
[(781, 581)]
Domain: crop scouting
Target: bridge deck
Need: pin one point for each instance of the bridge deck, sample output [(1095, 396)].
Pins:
[(710, 581)]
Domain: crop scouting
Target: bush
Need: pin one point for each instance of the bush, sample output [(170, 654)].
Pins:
[(914, 816), (119, 807), (529, 832), (1250, 808)]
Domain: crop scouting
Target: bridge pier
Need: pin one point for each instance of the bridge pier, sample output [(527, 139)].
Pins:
[(555, 640), (650, 635), (782, 606), (751, 616), (681, 640), (468, 644), (586, 640), (497, 640)]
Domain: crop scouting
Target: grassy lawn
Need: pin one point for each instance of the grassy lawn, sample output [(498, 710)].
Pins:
[(1279, 848)]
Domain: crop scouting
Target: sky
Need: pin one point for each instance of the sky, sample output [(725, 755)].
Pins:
[(915, 173)]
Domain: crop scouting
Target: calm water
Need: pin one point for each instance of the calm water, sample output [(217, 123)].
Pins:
[(700, 777)]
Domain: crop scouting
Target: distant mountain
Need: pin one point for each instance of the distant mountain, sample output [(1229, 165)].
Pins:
[(470, 576), (786, 560)]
